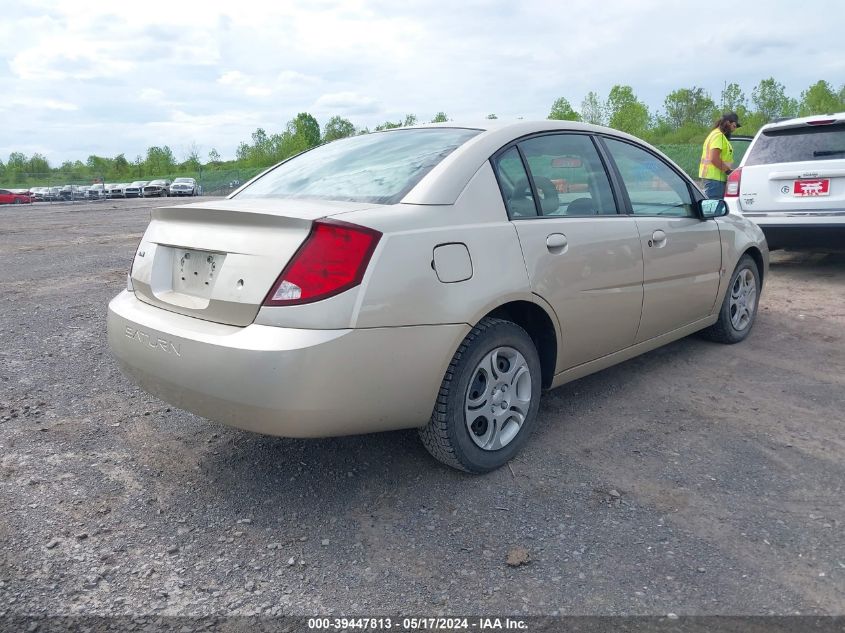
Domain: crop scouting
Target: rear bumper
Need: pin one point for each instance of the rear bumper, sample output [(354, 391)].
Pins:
[(284, 381), (802, 230)]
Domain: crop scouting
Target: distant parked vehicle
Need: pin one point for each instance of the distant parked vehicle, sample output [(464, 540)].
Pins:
[(116, 190), (157, 188), (184, 187), (96, 191), (8, 197), (40, 194), (136, 189)]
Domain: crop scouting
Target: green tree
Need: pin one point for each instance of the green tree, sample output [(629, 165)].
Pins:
[(733, 100), (213, 156), (159, 162), (770, 100), (387, 125), (562, 111), (306, 128), (689, 106), (192, 160), (410, 119), (492, 116), (593, 110), (38, 164), (440, 117), (336, 128), (626, 113), (16, 167), (121, 167), (819, 98)]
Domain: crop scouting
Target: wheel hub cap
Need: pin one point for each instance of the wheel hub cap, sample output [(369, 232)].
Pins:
[(498, 398)]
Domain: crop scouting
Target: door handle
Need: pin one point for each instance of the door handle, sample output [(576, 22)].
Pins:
[(557, 243), (658, 239)]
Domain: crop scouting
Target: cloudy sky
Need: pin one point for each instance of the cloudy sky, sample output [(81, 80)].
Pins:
[(80, 77)]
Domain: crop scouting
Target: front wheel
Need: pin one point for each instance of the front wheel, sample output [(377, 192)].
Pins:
[(736, 317), (488, 401)]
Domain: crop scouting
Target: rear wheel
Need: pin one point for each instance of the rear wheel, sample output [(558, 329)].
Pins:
[(739, 308), (488, 401)]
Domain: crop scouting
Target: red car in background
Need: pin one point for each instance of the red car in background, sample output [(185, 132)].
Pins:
[(8, 197)]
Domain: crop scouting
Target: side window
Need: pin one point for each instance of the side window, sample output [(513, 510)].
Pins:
[(514, 182), (653, 187), (569, 175)]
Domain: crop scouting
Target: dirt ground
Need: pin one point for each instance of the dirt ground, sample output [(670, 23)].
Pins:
[(697, 479)]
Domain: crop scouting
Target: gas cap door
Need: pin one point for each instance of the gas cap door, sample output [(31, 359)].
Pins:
[(452, 263)]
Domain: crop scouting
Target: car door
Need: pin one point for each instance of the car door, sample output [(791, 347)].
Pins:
[(682, 253), (582, 256)]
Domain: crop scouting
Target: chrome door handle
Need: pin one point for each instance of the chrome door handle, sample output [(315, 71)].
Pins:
[(556, 242), (658, 239)]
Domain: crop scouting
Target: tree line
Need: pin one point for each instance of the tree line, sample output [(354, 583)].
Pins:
[(686, 116)]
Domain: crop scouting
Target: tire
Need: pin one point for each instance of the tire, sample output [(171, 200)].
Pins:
[(496, 366), (736, 317), (16, 201)]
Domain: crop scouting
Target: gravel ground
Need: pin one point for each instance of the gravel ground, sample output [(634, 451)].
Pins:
[(697, 479)]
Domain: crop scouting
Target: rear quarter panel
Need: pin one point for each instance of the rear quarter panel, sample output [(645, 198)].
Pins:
[(402, 288)]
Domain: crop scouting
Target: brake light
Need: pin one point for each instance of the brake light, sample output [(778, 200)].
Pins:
[(732, 188), (332, 259), (822, 122)]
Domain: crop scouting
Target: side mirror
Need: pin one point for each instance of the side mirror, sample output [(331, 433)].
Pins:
[(713, 209)]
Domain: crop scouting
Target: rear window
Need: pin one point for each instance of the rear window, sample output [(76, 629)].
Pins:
[(380, 167), (798, 144)]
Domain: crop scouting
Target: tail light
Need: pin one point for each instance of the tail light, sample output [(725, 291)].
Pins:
[(332, 259), (732, 188), (822, 122)]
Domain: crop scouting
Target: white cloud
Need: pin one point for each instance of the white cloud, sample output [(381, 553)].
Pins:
[(211, 72)]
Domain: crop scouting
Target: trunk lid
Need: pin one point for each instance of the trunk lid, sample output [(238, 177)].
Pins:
[(218, 260), (807, 186)]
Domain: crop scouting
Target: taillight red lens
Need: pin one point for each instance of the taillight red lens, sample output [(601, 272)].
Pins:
[(822, 122), (732, 188), (332, 259)]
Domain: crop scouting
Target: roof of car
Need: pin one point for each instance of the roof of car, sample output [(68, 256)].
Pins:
[(444, 183), (837, 117)]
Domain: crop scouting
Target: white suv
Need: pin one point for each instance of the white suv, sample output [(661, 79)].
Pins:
[(791, 182)]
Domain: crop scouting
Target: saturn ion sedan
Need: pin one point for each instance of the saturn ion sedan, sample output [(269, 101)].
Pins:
[(437, 277)]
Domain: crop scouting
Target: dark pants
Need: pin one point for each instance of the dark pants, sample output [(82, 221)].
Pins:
[(714, 189)]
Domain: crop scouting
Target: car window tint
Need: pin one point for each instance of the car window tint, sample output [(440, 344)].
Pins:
[(798, 144), (513, 180), (653, 187), (381, 167), (569, 175)]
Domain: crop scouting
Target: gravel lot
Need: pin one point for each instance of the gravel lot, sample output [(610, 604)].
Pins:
[(697, 479)]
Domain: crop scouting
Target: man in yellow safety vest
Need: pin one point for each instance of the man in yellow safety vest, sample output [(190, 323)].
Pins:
[(717, 155)]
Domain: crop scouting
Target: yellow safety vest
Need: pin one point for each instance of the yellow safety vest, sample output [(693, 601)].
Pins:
[(706, 168)]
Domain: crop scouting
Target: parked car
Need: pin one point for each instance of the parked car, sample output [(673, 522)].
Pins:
[(791, 182), (157, 188), (9, 197), (66, 192), (116, 190), (40, 194), (184, 187), (135, 190), (431, 277), (96, 191)]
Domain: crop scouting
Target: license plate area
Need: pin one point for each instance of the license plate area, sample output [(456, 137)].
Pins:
[(195, 272), (811, 187)]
